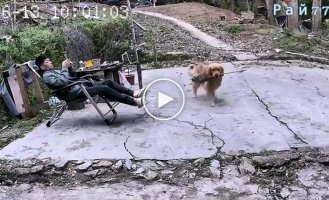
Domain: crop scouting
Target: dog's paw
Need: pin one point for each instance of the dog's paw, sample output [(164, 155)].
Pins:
[(195, 96)]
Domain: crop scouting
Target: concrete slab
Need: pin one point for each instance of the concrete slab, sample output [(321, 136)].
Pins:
[(260, 109), (242, 56), (298, 97)]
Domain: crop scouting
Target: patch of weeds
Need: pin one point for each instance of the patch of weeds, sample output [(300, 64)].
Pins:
[(235, 29), (18, 128), (298, 43)]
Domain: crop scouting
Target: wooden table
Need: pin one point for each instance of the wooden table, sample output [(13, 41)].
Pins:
[(111, 71)]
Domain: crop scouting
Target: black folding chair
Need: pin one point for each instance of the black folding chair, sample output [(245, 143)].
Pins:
[(61, 94)]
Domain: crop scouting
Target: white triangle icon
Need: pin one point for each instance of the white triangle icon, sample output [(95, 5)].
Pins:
[(163, 99)]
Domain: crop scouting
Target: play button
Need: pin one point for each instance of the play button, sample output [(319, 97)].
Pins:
[(164, 99)]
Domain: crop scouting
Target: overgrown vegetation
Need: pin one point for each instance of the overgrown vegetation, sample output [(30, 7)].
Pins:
[(110, 37), (235, 29), (30, 42), (298, 43)]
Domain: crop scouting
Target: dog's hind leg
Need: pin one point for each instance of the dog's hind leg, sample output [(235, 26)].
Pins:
[(195, 89)]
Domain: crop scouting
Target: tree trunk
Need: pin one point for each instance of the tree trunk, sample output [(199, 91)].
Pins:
[(293, 19), (270, 11), (316, 19), (233, 5)]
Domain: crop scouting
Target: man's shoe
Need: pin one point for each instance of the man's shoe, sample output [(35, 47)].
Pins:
[(139, 102), (139, 93)]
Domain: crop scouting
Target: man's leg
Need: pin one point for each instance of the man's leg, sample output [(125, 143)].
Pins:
[(111, 94), (117, 87)]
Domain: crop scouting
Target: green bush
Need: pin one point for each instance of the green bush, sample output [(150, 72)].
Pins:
[(30, 42), (298, 44), (111, 37)]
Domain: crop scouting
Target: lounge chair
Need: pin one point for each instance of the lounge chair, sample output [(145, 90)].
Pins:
[(61, 107)]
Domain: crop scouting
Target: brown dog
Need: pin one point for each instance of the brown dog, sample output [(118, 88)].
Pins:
[(214, 70)]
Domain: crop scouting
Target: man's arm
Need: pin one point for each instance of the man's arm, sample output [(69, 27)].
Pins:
[(72, 72), (57, 79)]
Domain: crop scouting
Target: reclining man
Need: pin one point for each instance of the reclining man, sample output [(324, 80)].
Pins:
[(108, 89)]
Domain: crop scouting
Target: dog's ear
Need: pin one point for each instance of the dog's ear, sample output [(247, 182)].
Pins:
[(191, 66), (209, 72), (222, 71)]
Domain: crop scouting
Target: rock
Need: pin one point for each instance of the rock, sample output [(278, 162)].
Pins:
[(92, 173), (215, 171), (167, 171), (139, 170), (278, 50), (79, 162), (29, 163), (117, 166), (246, 166), (105, 180), (103, 163), (8, 182), (192, 175), (60, 163), (298, 194), (149, 164), (84, 166), (215, 164), (205, 174), (285, 192), (23, 171), (102, 171), (199, 161), (264, 191), (128, 164), (276, 160), (175, 162), (150, 175), (162, 164), (37, 168), (134, 167)]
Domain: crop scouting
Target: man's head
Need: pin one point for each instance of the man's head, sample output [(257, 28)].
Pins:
[(44, 63)]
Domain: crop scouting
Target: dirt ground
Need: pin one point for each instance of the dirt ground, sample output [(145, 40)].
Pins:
[(257, 37), (248, 37)]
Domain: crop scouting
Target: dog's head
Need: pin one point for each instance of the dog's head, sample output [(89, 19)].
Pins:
[(215, 70)]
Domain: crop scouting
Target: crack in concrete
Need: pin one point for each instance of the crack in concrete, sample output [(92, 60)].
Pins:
[(270, 112), (208, 129), (319, 92), (140, 117), (125, 145), (276, 117)]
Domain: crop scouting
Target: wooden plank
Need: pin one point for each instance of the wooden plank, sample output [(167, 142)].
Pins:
[(14, 88), (28, 109), (37, 89)]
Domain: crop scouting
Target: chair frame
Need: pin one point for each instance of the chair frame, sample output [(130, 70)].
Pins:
[(60, 109)]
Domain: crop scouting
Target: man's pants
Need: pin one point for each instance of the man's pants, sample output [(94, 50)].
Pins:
[(112, 91)]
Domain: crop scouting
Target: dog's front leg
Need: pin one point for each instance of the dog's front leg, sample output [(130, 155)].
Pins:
[(211, 96), (195, 89)]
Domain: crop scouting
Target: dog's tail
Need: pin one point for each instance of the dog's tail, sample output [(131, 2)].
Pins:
[(191, 69)]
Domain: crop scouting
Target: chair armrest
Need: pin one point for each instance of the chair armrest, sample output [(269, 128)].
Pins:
[(87, 76), (67, 86)]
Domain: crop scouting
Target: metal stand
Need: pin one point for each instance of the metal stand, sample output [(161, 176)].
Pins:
[(139, 68)]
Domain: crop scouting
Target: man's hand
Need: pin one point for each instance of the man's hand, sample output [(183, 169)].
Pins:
[(67, 64)]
